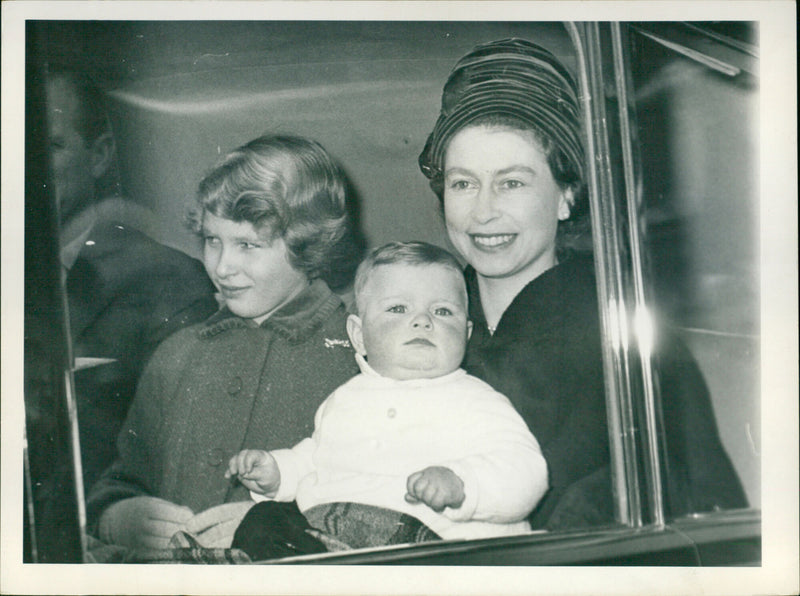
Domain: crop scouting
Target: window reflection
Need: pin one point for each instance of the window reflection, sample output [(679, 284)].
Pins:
[(125, 291), (698, 147)]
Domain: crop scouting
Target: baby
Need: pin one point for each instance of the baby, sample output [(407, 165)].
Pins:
[(413, 442)]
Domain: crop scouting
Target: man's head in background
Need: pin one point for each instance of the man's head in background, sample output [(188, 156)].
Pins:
[(80, 140)]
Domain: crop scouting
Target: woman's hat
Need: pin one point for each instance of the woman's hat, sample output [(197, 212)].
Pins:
[(513, 78)]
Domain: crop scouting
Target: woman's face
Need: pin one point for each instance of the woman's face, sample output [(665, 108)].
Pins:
[(251, 270), (501, 203)]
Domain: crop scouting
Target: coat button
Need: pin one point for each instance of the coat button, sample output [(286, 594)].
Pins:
[(234, 385), (215, 457), (391, 412)]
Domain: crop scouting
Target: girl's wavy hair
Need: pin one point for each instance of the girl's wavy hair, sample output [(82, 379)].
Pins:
[(290, 186)]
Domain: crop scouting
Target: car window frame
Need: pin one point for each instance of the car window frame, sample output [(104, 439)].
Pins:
[(46, 301)]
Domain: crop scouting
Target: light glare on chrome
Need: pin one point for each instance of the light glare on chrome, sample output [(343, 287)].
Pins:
[(644, 329)]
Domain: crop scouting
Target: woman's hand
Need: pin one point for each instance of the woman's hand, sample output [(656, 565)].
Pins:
[(143, 522), (438, 487), (257, 470)]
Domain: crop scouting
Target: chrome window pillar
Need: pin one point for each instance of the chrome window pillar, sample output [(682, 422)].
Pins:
[(614, 198)]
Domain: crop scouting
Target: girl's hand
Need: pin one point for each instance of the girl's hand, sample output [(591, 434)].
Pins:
[(437, 487), (143, 522), (256, 470)]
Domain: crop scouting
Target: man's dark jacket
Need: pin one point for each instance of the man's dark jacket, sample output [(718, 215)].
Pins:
[(126, 293)]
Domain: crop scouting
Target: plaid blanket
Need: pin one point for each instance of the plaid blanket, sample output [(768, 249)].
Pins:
[(273, 530), (360, 526), (184, 548)]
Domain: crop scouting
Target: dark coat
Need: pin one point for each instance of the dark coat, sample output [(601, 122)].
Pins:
[(126, 293), (546, 357), (225, 385)]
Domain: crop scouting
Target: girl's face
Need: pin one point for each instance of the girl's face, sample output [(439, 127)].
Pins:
[(501, 202), (250, 270)]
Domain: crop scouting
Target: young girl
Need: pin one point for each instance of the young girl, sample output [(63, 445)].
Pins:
[(273, 221)]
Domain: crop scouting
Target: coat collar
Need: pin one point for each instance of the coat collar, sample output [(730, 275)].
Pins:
[(295, 321), (74, 233), (544, 303)]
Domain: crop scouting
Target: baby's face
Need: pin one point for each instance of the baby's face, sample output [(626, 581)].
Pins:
[(413, 322)]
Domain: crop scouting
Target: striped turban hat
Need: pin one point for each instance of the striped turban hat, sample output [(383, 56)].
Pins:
[(511, 78)]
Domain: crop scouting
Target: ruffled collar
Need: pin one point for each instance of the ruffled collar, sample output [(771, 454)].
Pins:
[(544, 303)]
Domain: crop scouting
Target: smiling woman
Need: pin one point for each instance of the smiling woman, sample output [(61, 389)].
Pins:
[(509, 172)]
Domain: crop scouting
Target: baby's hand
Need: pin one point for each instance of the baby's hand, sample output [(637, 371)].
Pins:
[(438, 487), (256, 470)]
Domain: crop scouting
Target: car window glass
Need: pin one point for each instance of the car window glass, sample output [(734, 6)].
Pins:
[(697, 138), (371, 102)]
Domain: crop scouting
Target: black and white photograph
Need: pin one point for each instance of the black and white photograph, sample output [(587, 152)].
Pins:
[(226, 364)]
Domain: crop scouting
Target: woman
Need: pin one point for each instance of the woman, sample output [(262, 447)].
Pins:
[(506, 160), (273, 220)]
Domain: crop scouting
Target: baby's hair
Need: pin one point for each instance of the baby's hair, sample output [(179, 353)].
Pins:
[(406, 253), (292, 187)]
